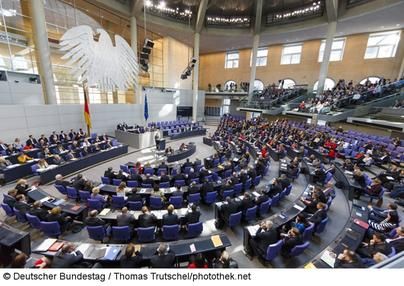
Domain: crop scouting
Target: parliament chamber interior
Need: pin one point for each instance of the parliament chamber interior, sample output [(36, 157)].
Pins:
[(201, 134)]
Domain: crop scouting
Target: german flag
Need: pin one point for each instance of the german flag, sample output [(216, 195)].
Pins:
[(87, 116)]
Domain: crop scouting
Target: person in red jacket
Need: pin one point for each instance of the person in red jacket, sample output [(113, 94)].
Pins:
[(197, 261)]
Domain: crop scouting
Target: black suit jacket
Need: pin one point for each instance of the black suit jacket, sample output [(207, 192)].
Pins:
[(192, 217), (94, 221), (265, 238), (22, 207), (162, 261), (170, 219), (318, 216), (290, 242), (229, 208), (40, 213), (131, 262), (66, 260), (147, 220)]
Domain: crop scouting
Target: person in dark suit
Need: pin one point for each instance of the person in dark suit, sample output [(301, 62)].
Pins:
[(264, 236), (148, 180), (311, 203), (376, 244), (191, 176), (170, 218), (125, 218), (207, 187), (133, 196), (228, 208), (22, 187), (247, 202), (284, 181), (131, 258), (398, 240), (55, 214), (93, 220), (275, 188), (319, 215), (186, 164), (109, 173), (146, 219), (348, 259), (177, 192), (290, 240), (37, 211), (66, 257), (192, 215), (31, 141), (163, 258), (60, 181), (193, 188), (21, 204), (78, 182), (163, 166), (10, 199), (164, 178)]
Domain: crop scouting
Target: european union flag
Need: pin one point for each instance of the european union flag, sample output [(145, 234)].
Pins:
[(146, 108)]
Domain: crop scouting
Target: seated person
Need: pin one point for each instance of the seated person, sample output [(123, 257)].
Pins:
[(38, 211), (109, 173), (193, 214), (319, 175), (23, 158), (93, 220), (284, 181), (374, 188), (147, 219), (95, 195), (311, 203), (193, 188), (230, 206), (10, 199), (67, 257), (57, 160), (348, 259), (42, 164), (319, 215), (120, 190), (359, 177), (376, 244), (264, 236), (21, 204), (134, 196), (386, 225), (197, 261), (164, 258), (378, 214), (348, 165), (148, 180), (125, 218), (246, 202), (170, 218), (397, 241), (131, 258), (275, 188), (4, 163), (290, 240), (22, 187), (78, 182), (64, 221)]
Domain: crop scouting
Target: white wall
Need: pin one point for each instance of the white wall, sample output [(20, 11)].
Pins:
[(20, 93), (20, 121), (178, 97), (176, 57)]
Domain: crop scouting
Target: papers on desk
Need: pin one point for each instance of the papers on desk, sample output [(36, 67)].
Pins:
[(112, 252), (252, 229), (192, 248), (59, 202), (101, 185), (217, 241), (45, 199), (105, 212), (389, 178), (83, 247), (256, 194), (300, 208), (348, 173), (46, 244), (142, 191), (310, 266), (219, 204), (329, 257)]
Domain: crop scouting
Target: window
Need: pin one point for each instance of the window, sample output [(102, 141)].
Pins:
[(262, 56), (287, 83), (382, 45), (231, 60), (372, 79), (291, 54), (230, 85), (337, 50), (329, 84), (258, 85)]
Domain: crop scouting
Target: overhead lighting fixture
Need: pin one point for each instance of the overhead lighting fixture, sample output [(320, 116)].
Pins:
[(148, 3), (161, 5)]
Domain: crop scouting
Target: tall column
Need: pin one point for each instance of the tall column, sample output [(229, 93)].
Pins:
[(42, 50), (332, 27), (401, 71), (195, 85), (256, 42), (133, 42)]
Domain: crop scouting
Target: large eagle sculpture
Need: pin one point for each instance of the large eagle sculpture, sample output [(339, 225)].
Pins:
[(100, 63)]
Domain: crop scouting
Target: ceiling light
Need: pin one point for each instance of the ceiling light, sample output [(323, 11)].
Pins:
[(149, 3), (161, 5)]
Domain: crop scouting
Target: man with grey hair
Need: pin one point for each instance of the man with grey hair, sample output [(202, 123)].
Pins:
[(265, 236), (60, 181), (93, 220), (163, 258)]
